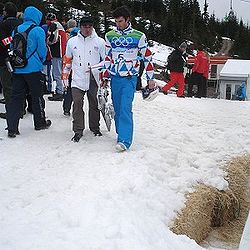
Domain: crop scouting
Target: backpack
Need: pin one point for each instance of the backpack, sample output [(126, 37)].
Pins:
[(19, 48)]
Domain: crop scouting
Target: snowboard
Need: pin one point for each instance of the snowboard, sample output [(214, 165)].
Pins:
[(105, 106)]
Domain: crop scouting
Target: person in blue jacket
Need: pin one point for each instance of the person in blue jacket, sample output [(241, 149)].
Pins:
[(29, 77), (241, 94)]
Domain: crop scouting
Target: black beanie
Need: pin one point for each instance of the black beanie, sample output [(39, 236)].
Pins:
[(10, 9)]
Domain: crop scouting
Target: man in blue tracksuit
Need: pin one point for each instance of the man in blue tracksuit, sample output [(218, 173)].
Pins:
[(30, 76), (122, 64)]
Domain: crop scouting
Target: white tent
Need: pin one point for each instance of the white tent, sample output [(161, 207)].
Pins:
[(232, 75), (245, 239)]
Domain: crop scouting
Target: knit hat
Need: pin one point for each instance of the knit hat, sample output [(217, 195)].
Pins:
[(71, 23), (183, 45), (10, 9), (86, 20)]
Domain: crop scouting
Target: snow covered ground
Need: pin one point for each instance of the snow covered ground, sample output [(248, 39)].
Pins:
[(56, 194)]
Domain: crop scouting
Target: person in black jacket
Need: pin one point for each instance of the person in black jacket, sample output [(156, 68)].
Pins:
[(6, 27), (176, 63)]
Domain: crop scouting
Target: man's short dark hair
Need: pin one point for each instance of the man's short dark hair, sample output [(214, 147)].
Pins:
[(10, 9), (86, 20), (199, 46), (122, 11)]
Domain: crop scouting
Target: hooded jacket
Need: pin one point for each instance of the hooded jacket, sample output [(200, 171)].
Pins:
[(201, 64), (35, 41), (81, 53), (71, 32)]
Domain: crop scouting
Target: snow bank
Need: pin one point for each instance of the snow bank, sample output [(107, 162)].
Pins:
[(160, 53), (56, 194)]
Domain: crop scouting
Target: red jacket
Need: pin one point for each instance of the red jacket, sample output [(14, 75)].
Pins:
[(201, 64), (57, 39)]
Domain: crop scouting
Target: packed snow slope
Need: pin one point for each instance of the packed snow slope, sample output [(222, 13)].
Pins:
[(56, 194)]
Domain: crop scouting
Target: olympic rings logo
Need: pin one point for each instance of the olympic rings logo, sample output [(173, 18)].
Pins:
[(122, 41)]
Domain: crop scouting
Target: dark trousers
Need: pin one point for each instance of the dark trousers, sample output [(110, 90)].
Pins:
[(28, 102), (204, 87), (5, 78), (67, 98), (21, 83), (201, 82), (78, 113)]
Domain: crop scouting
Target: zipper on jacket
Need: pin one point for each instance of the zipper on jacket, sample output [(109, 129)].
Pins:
[(80, 60)]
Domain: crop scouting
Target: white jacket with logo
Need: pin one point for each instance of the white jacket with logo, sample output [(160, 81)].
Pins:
[(82, 53)]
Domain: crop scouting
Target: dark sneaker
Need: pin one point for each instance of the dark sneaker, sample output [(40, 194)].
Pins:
[(66, 113), (181, 96), (17, 132), (76, 137), (97, 132), (45, 126), (56, 97), (2, 101), (12, 134), (3, 115)]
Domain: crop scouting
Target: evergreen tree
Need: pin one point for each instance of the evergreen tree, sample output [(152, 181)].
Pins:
[(205, 14), (166, 21)]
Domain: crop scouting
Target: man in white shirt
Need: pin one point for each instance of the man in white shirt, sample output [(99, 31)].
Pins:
[(83, 51)]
